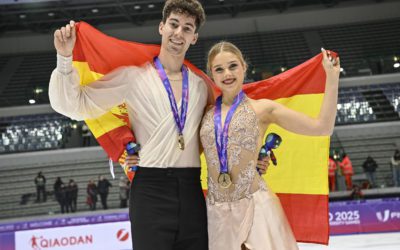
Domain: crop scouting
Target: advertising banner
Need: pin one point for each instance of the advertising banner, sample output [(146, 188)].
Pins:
[(112, 231), (63, 222), (380, 215), (7, 241), (105, 236)]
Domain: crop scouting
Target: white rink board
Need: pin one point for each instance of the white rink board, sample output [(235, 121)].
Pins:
[(106, 236), (381, 241)]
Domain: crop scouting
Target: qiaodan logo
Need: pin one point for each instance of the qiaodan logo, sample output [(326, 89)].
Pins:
[(41, 243)]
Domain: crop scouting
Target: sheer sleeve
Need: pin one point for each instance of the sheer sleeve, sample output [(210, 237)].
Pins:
[(78, 102)]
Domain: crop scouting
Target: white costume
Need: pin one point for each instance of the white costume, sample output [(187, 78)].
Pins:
[(148, 107)]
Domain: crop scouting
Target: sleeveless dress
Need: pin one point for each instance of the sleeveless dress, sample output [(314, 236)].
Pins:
[(247, 212)]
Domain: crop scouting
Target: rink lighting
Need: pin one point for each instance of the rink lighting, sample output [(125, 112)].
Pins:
[(341, 69), (32, 101), (150, 6), (22, 16), (396, 65), (38, 90), (50, 14), (95, 10), (137, 7)]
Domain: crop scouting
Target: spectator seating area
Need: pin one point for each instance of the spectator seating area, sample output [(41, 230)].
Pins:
[(364, 48), (17, 182), (33, 132), (270, 52), (370, 103), (376, 140), (266, 52), (83, 164), (3, 61), (356, 105), (25, 74)]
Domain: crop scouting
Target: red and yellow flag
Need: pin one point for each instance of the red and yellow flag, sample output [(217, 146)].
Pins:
[(301, 177)]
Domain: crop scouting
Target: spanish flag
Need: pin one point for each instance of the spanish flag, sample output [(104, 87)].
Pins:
[(301, 178)]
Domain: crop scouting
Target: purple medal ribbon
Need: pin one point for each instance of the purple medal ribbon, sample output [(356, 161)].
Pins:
[(221, 137), (180, 121)]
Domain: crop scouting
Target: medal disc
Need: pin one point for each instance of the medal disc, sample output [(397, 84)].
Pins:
[(181, 142), (224, 180)]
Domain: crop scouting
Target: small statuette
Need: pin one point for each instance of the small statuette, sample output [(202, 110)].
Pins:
[(224, 180), (181, 142)]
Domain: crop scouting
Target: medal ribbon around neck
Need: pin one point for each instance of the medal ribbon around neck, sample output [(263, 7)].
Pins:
[(179, 121), (221, 136)]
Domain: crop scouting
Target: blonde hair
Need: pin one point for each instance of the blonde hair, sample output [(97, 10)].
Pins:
[(224, 46)]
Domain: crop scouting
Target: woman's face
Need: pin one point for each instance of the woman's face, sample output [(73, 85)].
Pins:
[(228, 72)]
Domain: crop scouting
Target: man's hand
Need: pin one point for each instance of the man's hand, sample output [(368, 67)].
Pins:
[(64, 39), (263, 164)]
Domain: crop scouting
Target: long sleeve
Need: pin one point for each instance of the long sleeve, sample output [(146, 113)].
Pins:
[(78, 102)]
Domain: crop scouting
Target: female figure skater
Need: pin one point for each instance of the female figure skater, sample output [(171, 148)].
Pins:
[(242, 211)]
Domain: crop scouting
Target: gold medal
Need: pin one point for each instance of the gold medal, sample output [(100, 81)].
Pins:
[(181, 142), (224, 180)]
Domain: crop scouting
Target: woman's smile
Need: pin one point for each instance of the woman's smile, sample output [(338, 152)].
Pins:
[(229, 81)]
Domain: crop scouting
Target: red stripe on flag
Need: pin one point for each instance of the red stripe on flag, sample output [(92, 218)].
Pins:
[(306, 78), (114, 140), (308, 216), (105, 53)]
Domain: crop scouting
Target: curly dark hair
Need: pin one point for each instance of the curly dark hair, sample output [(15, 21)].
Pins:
[(188, 7)]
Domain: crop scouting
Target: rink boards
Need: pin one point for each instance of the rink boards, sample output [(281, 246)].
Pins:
[(112, 230)]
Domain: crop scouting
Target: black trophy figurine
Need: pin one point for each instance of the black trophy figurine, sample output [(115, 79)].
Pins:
[(271, 142), (132, 148)]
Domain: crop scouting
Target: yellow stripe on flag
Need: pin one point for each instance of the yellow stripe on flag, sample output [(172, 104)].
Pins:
[(203, 176), (104, 124), (302, 160), (87, 76), (108, 121)]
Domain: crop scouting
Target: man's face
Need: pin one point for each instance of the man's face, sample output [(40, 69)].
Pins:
[(178, 33)]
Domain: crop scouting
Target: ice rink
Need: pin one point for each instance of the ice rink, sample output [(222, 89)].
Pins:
[(381, 241)]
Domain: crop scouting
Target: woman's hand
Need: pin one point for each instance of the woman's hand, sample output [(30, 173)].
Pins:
[(331, 64), (263, 164)]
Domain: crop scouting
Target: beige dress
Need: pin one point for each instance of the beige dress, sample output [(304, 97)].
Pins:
[(248, 212)]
